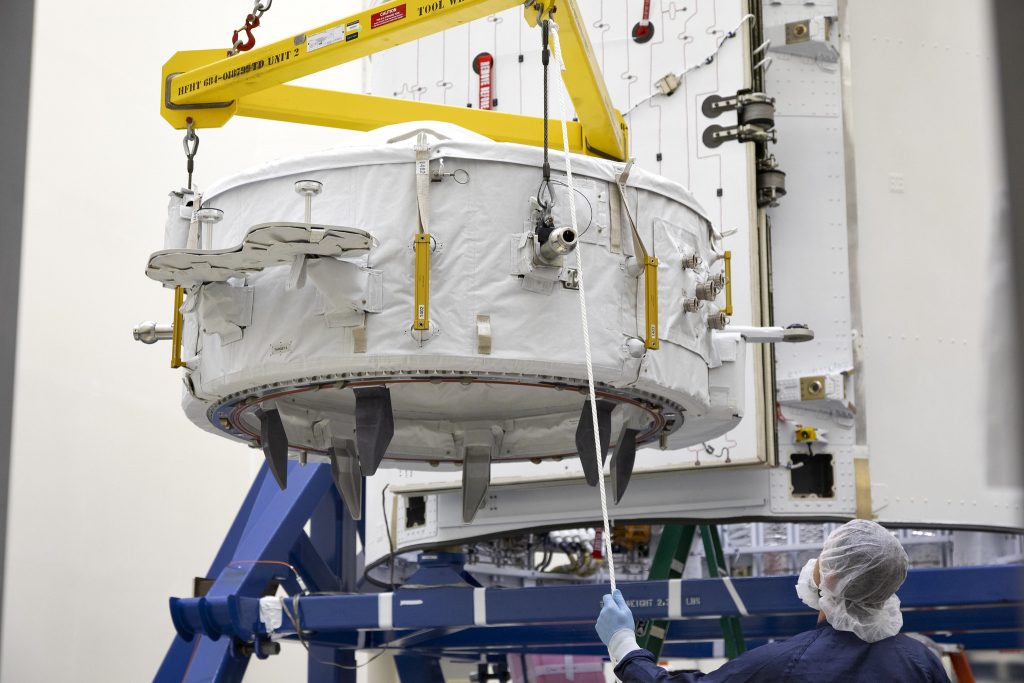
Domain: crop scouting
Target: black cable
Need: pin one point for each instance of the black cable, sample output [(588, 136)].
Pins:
[(302, 641), (590, 207), (545, 59), (391, 541)]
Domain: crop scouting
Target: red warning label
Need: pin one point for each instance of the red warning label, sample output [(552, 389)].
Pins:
[(387, 16)]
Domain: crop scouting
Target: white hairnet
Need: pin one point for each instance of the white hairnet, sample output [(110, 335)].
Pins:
[(862, 565)]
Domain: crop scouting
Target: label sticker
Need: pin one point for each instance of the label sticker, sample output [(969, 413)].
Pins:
[(351, 36), (387, 16), (325, 38), (352, 27)]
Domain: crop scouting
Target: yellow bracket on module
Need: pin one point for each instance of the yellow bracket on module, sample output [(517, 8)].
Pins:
[(176, 328), (421, 304), (651, 302), (728, 283)]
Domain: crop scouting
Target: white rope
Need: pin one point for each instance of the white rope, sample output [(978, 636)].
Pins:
[(583, 315)]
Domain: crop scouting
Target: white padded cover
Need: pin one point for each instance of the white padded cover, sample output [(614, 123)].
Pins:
[(535, 338)]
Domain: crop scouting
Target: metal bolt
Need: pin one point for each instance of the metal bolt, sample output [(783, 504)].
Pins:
[(309, 189)]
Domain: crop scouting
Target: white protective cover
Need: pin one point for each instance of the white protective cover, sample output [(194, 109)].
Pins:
[(294, 336)]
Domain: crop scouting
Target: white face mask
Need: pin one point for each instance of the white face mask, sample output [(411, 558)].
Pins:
[(806, 589)]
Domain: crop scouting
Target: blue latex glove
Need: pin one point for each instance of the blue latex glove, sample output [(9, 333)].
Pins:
[(615, 616)]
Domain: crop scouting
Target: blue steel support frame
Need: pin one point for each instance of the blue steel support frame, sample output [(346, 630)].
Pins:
[(979, 607), (267, 533), (333, 534)]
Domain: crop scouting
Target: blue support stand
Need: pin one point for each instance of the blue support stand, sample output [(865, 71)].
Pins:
[(265, 542), (441, 611)]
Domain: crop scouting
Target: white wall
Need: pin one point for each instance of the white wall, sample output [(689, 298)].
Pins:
[(116, 500)]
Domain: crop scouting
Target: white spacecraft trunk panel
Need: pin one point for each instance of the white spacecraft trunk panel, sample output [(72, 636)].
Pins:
[(928, 203), (701, 481), (917, 476)]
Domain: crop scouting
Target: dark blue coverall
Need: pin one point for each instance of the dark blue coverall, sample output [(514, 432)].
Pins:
[(823, 655)]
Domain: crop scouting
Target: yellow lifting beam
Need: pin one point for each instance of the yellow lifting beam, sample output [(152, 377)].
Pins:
[(210, 88), (366, 112)]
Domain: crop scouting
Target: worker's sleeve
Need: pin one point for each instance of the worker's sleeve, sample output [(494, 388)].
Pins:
[(932, 667), (639, 667)]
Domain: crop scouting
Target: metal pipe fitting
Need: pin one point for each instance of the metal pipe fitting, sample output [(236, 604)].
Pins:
[(718, 320), (560, 241), (707, 291), (150, 333), (691, 305), (691, 262)]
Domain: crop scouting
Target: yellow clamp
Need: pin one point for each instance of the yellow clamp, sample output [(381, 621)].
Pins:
[(651, 302), (421, 305), (805, 434), (177, 322)]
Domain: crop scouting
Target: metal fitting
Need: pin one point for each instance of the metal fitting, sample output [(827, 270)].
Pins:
[(691, 305), (209, 215), (692, 262), (207, 218), (718, 321), (309, 189), (668, 84), (719, 281), (560, 242), (771, 182), (150, 333), (707, 291)]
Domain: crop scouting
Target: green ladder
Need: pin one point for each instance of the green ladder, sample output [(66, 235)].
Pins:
[(669, 563)]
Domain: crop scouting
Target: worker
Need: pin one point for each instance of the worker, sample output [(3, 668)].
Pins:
[(852, 584)]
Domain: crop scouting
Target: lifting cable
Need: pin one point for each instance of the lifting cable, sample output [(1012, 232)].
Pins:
[(550, 25), (545, 59)]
